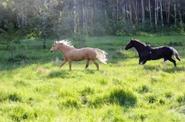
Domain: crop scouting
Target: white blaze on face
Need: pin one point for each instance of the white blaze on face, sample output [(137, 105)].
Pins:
[(53, 48)]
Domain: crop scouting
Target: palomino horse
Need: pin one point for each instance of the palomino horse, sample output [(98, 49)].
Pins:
[(74, 54), (148, 53)]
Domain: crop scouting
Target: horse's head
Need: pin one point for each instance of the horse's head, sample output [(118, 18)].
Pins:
[(55, 46), (130, 44), (61, 45)]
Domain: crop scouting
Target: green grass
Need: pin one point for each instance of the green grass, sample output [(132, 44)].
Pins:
[(36, 89)]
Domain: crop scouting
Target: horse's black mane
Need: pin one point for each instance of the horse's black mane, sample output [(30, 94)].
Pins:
[(135, 40)]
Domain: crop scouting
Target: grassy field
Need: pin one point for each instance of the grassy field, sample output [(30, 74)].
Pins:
[(34, 88)]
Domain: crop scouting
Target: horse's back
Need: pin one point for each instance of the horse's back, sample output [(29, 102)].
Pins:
[(82, 53), (162, 52), (167, 50)]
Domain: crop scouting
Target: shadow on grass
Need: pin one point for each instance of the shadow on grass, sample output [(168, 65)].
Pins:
[(123, 98), (148, 67), (13, 97), (117, 96), (90, 71), (174, 69), (168, 69), (59, 74)]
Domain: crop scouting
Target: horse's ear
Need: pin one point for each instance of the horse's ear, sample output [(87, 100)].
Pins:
[(148, 44), (132, 39), (55, 42)]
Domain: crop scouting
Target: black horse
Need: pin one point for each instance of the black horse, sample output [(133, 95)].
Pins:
[(146, 52)]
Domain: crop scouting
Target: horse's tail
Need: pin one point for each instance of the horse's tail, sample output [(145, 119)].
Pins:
[(101, 55), (176, 54)]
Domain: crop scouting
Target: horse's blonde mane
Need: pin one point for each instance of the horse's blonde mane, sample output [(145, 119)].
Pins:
[(65, 42)]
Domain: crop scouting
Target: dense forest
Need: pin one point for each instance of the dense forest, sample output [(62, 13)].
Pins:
[(92, 17)]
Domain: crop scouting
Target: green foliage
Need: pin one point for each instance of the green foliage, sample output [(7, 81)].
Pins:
[(79, 40)]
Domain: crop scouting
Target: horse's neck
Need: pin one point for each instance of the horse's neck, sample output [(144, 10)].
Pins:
[(66, 49), (140, 48)]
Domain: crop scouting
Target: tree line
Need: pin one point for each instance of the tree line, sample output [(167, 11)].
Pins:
[(92, 17)]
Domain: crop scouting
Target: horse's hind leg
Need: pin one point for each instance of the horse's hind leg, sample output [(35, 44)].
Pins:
[(164, 62), (173, 61), (97, 66), (140, 61), (87, 64), (144, 62)]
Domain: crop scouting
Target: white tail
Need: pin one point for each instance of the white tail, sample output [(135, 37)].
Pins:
[(176, 54), (101, 55)]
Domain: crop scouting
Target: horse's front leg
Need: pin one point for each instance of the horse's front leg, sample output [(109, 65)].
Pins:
[(140, 60), (144, 61), (63, 63), (70, 65), (87, 64)]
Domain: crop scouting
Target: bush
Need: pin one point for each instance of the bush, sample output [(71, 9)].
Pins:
[(121, 97)]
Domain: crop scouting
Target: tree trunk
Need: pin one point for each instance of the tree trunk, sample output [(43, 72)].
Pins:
[(130, 10), (161, 8), (150, 13), (180, 17), (75, 16), (175, 15), (143, 11), (136, 12), (168, 12), (117, 10), (156, 13)]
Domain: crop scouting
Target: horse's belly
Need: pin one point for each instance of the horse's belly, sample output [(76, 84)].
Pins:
[(156, 56), (77, 57)]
